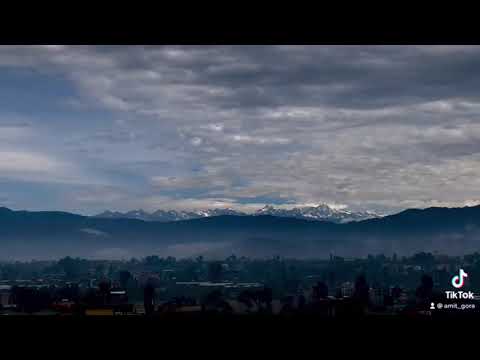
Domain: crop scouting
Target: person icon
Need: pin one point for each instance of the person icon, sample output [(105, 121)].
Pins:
[(432, 306)]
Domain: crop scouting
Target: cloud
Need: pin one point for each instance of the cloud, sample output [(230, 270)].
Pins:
[(255, 140), (27, 166), (23, 161), (4, 201), (195, 126), (196, 141)]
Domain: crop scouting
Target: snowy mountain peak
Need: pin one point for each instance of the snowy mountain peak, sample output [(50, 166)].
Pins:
[(265, 209), (321, 212)]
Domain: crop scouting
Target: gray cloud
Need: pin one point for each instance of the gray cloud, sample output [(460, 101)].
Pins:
[(145, 126)]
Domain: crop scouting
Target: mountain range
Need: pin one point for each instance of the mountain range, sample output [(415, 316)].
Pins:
[(47, 234), (321, 212)]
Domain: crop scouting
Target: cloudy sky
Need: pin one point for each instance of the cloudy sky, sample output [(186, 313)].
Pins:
[(85, 129)]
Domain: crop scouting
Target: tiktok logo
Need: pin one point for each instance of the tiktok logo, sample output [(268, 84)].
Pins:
[(458, 280)]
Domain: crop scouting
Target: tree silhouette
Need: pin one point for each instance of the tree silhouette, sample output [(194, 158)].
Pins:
[(396, 292), (215, 271), (104, 287), (424, 292), (319, 291), (360, 299), (302, 302), (124, 276), (71, 267), (265, 297), (361, 291), (216, 302), (30, 300), (149, 299), (247, 297)]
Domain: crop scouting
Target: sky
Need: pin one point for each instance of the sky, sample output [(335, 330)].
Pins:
[(383, 128)]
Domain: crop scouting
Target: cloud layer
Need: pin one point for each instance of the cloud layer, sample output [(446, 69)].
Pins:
[(122, 127)]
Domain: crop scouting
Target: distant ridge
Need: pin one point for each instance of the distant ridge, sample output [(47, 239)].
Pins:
[(322, 212), (51, 234)]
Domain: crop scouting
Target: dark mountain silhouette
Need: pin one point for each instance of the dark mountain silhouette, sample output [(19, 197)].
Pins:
[(25, 235)]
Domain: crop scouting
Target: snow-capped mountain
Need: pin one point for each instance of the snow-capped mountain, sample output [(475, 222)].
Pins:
[(321, 212), (167, 215)]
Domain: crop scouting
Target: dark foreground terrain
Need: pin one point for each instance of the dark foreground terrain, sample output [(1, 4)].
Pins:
[(239, 287)]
